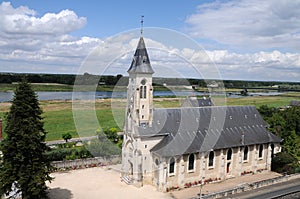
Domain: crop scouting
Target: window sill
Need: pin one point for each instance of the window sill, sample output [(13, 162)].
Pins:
[(191, 171)]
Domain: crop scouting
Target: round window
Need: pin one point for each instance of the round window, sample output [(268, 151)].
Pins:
[(143, 82)]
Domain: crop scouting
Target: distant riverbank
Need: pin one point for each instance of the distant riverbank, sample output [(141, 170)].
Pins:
[(52, 95), (68, 95)]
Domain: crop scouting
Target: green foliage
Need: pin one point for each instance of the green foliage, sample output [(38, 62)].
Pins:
[(290, 145), (277, 124), (292, 117), (102, 146), (24, 163), (99, 147), (286, 124), (68, 153), (283, 162), (267, 111), (37, 78), (112, 80), (66, 136), (112, 135)]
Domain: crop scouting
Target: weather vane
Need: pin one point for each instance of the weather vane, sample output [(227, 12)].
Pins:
[(142, 23)]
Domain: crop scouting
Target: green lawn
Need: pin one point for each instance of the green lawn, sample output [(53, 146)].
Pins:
[(60, 122), (58, 115), (275, 101)]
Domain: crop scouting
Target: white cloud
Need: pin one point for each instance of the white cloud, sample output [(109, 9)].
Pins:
[(248, 25), (22, 20), (258, 66), (41, 41), (170, 61)]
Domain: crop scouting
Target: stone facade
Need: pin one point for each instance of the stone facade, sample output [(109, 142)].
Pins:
[(223, 164)]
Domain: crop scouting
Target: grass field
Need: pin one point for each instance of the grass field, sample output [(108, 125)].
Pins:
[(58, 115)]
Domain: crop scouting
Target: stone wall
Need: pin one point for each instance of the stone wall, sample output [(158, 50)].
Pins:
[(86, 163)]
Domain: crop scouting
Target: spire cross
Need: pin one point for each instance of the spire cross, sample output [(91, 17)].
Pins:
[(142, 23)]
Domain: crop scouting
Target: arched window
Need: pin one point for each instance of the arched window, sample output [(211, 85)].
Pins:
[(260, 152), (172, 166), (211, 159), (143, 92), (191, 163), (246, 153), (229, 154)]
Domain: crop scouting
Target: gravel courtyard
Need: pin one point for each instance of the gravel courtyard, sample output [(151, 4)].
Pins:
[(105, 183), (97, 183)]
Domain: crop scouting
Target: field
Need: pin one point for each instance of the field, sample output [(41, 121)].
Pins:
[(59, 115)]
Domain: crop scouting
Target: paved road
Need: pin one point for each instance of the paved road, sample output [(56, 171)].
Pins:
[(272, 191)]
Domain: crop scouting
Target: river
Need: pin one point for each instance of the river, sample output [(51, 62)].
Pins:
[(8, 96)]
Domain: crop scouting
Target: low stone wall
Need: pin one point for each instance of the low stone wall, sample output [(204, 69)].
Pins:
[(251, 186), (85, 163)]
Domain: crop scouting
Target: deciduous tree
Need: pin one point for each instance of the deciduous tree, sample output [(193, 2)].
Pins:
[(66, 136)]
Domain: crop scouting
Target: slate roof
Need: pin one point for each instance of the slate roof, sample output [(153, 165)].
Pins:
[(141, 61), (197, 102), (295, 103), (191, 130)]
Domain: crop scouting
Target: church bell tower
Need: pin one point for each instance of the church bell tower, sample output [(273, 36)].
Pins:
[(136, 158), (140, 91)]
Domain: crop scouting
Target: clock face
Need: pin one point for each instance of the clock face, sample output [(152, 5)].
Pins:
[(143, 82)]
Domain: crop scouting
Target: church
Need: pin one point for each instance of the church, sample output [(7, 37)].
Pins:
[(196, 143)]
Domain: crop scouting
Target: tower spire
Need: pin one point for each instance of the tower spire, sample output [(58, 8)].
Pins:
[(141, 62), (142, 23)]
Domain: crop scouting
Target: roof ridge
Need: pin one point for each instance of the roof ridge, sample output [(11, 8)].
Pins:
[(207, 107)]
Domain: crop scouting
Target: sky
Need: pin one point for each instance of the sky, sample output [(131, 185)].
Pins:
[(240, 39)]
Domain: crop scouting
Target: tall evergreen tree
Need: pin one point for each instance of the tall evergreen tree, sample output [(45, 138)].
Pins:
[(23, 164)]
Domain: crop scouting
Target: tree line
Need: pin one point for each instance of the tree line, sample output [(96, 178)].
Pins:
[(119, 79)]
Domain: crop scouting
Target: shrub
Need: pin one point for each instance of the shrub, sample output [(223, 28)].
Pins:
[(283, 162)]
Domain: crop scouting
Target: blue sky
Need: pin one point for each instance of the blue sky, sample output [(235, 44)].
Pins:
[(252, 40), (109, 17)]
